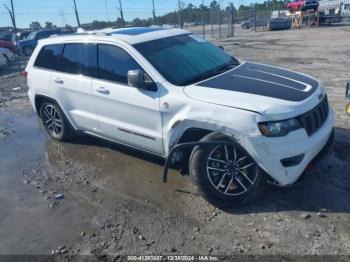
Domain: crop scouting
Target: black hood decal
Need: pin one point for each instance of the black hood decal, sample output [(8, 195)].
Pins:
[(265, 81)]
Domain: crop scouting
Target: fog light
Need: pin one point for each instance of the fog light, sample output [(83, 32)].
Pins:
[(292, 161), (348, 108)]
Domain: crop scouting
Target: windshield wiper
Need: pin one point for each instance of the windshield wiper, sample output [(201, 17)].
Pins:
[(233, 63)]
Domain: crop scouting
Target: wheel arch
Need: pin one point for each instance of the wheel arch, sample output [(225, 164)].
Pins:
[(189, 134), (39, 99)]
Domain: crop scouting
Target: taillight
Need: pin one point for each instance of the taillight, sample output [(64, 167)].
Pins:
[(24, 74)]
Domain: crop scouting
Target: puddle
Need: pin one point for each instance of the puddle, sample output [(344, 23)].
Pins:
[(123, 172)]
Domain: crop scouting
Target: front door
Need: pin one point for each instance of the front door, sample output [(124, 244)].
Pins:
[(126, 114)]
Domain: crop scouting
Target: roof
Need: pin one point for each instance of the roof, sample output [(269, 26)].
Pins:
[(132, 35)]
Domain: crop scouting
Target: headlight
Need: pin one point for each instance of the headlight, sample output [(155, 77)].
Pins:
[(279, 128)]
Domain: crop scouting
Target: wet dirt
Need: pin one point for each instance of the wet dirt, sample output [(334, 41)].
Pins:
[(94, 197)]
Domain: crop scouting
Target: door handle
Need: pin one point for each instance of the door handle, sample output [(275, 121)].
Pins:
[(103, 90), (59, 81)]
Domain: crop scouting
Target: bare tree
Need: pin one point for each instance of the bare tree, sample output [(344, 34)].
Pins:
[(13, 20), (120, 8), (154, 13), (76, 13), (180, 6)]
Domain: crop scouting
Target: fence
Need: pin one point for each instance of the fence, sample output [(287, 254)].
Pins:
[(221, 22)]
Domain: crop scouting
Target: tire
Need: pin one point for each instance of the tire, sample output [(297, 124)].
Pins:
[(55, 122), (28, 51), (224, 188), (7, 59)]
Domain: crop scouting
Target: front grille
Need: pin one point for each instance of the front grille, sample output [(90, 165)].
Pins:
[(315, 118)]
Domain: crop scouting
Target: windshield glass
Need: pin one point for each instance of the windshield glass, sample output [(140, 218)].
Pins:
[(31, 36), (185, 59)]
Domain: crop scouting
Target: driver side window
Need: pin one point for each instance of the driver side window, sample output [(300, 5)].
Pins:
[(114, 63)]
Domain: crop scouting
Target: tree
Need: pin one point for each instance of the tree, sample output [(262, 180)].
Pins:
[(214, 5), (49, 25), (35, 26), (68, 28)]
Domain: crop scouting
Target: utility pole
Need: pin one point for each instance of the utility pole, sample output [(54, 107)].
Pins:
[(219, 19), (211, 23), (76, 13), (121, 12), (107, 14), (154, 13), (180, 15), (203, 25), (254, 21), (231, 20)]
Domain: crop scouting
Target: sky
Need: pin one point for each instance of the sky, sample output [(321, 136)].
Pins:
[(61, 12)]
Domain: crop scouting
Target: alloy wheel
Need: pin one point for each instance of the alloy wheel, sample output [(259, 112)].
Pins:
[(52, 120), (230, 170)]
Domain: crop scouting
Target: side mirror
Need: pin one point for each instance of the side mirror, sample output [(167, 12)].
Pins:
[(138, 79)]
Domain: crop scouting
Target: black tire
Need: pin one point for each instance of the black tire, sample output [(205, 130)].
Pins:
[(205, 181), (27, 51), (56, 124), (7, 59)]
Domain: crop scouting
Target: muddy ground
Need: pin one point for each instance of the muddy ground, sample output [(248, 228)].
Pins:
[(92, 197)]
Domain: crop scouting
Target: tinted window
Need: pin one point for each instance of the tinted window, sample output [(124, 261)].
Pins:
[(50, 57), (184, 59), (80, 59), (41, 35), (114, 63)]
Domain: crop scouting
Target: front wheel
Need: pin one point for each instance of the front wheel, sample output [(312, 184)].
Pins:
[(226, 175)]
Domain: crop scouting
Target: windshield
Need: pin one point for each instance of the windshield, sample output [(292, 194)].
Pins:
[(31, 36), (185, 59)]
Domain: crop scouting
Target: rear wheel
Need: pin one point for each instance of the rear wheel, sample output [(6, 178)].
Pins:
[(226, 175), (55, 123)]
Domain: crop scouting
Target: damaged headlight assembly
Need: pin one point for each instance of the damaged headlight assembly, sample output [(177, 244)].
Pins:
[(279, 128)]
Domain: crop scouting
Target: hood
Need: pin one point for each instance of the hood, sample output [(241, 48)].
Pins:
[(273, 92), (27, 42)]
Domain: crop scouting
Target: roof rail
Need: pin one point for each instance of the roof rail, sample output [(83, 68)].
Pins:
[(82, 33), (100, 33)]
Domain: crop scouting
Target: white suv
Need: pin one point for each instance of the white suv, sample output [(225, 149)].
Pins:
[(232, 126)]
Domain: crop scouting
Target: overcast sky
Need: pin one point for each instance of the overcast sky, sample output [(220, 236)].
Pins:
[(61, 12)]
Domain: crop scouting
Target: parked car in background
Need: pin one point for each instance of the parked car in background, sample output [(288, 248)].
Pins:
[(3, 61), (295, 5), (5, 36), (8, 45), (310, 5), (27, 46), (301, 5), (250, 23), (7, 54), (23, 35)]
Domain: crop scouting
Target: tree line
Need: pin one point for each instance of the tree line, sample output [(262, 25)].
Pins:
[(209, 14)]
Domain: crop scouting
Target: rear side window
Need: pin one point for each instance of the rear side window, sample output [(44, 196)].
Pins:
[(80, 59), (114, 63), (50, 57)]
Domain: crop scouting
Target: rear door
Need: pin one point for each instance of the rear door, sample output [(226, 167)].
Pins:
[(72, 85), (126, 114)]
